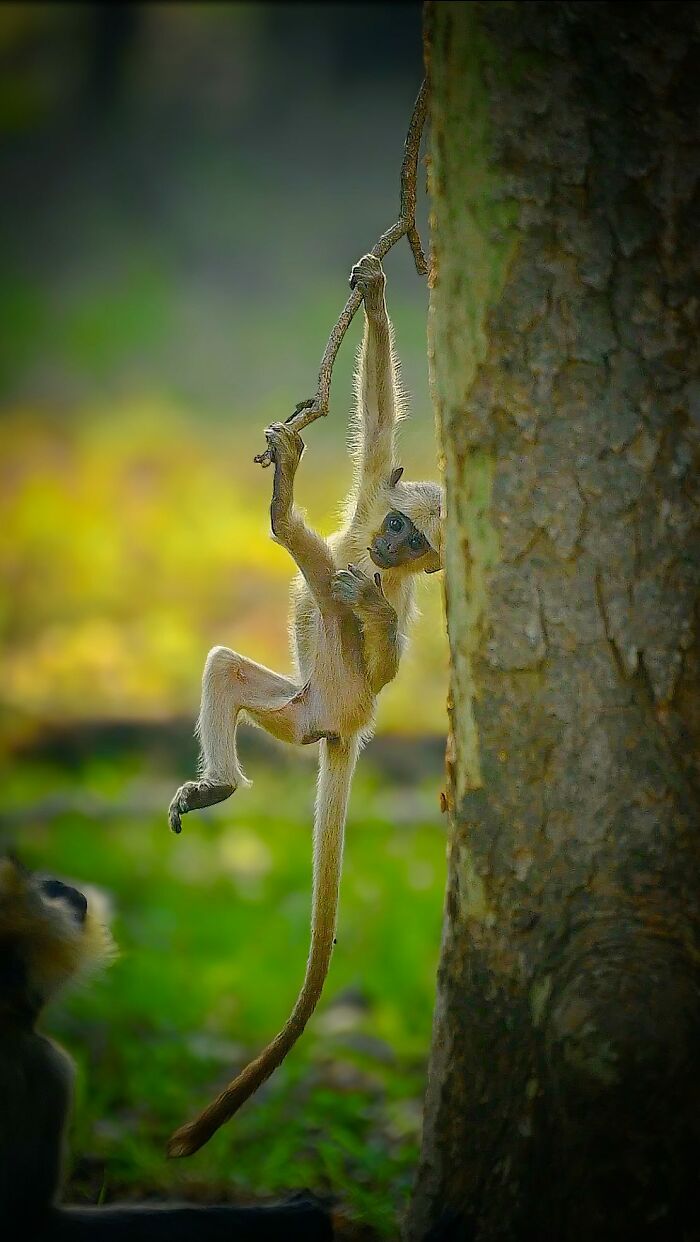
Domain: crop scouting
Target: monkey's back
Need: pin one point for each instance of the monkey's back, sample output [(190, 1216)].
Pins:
[(36, 1086)]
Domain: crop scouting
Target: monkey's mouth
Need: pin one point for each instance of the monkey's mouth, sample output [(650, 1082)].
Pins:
[(379, 558)]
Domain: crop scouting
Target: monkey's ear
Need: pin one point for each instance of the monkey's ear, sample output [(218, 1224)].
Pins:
[(395, 475), (12, 877), (432, 565)]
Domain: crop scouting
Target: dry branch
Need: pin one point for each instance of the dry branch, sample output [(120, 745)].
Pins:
[(317, 406)]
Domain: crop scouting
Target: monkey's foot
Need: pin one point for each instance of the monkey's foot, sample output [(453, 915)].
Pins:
[(194, 795)]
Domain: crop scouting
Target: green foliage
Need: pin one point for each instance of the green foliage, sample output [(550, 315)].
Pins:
[(213, 932)]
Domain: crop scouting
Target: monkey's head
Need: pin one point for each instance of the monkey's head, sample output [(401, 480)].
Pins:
[(409, 538), (50, 933)]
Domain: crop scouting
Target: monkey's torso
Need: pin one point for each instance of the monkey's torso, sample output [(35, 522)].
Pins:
[(329, 651)]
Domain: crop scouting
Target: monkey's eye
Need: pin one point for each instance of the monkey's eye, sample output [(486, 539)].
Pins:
[(395, 523), (416, 542), (76, 901)]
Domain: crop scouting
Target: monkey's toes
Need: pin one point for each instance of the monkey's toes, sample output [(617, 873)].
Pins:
[(174, 820), (193, 796)]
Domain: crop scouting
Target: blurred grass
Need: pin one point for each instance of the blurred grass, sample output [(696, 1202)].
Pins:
[(213, 931)]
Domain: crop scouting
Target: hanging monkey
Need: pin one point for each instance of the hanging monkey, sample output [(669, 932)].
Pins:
[(50, 934), (351, 606)]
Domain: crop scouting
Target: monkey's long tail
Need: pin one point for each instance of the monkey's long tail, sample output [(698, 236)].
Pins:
[(336, 767)]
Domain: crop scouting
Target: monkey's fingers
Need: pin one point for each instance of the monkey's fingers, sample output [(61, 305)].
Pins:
[(283, 440), (366, 273), (282, 431), (345, 588)]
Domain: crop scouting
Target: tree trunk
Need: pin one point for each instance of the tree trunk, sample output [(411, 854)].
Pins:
[(564, 1092)]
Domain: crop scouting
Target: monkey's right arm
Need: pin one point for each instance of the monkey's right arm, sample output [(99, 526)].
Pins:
[(310, 552)]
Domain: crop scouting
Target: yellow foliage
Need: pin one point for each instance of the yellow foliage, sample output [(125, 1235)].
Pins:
[(128, 546)]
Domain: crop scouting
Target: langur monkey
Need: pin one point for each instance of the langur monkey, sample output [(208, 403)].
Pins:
[(50, 934), (348, 632)]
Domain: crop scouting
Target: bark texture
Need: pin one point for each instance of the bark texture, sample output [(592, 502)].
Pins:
[(564, 1090)]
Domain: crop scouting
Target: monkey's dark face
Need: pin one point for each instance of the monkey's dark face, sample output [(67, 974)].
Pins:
[(49, 934), (398, 542), (74, 902)]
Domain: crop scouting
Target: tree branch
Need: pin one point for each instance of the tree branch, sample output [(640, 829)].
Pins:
[(317, 406)]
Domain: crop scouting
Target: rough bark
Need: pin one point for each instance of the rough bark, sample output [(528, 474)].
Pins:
[(564, 1089)]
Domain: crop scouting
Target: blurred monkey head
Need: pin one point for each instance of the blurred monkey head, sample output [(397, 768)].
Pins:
[(51, 933)]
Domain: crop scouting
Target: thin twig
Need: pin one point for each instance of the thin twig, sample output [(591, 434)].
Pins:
[(317, 407)]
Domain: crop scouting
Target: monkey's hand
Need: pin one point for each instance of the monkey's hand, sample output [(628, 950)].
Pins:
[(286, 447), (368, 277), (351, 586)]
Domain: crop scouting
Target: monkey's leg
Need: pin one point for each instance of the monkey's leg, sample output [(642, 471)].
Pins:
[(230, 684)]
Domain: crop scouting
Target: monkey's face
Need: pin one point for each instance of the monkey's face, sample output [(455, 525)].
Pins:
[(49, 933), (399, 543), (69, 901)]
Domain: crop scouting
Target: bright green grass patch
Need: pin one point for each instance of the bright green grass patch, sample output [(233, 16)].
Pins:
[(213, 932)]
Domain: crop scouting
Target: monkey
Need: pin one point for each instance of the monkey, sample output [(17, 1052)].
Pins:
[(352, 602), (52, 933)]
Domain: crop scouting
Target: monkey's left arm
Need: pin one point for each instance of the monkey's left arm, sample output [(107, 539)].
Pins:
[(377, 402), (381, 646), (378, 621)]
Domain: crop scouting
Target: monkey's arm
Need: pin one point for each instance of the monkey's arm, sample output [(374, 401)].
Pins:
[(310, 552), (381, 646), (376, 412), (378, 620)]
